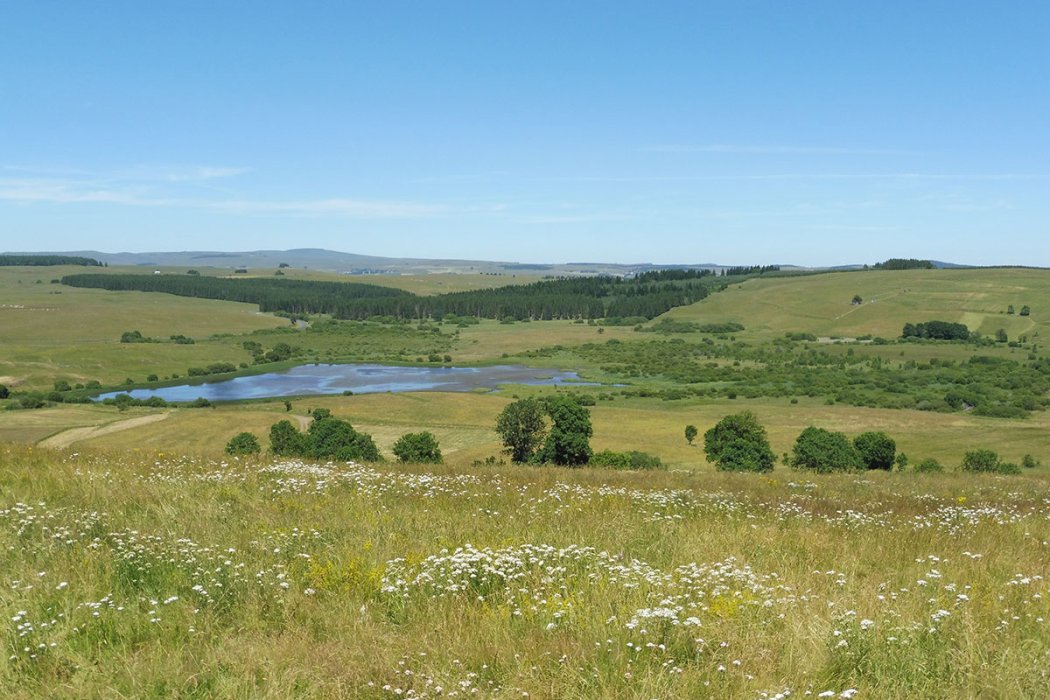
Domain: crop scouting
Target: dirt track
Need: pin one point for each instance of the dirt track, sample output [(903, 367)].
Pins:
[(68, 437)]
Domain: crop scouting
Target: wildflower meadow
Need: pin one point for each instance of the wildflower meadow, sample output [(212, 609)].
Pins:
[(134, 575)]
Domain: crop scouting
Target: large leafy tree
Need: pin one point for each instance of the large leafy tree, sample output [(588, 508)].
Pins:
[(522, 428), (738, 443), (568, 442), (877, 450), (824, 451)]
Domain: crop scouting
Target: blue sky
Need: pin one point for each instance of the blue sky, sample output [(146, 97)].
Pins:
[(737, 132)]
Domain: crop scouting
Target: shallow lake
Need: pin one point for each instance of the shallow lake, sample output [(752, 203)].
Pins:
[(322, 379)]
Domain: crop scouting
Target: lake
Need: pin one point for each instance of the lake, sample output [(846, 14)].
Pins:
[(320, 379)]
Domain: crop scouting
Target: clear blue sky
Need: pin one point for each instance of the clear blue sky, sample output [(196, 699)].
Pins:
[(736, 132)]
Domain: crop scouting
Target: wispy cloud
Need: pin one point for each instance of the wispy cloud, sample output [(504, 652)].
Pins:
[(135, 174), (34, 190), (570, 218), (744, 149), (801, 176), (164, 187), (349, 208)]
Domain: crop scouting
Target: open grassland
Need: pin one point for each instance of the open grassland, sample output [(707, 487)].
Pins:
[(821, 304), (464, 425), (74, 335), (52, 331), (159, 575)]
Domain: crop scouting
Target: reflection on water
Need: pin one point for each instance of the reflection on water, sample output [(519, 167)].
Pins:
[(360, 379)]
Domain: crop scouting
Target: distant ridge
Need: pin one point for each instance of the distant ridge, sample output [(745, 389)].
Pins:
[(352, 263), (950, 266)]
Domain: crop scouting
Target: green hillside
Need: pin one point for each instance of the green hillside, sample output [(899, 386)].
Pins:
[(822, 304)]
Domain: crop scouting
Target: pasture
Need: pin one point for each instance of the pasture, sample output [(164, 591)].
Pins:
[(822, 304)]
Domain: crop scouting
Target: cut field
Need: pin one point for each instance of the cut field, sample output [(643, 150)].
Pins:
[(464, 426)]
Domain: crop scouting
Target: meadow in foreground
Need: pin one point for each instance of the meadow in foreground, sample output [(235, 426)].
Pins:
[(160, 576)]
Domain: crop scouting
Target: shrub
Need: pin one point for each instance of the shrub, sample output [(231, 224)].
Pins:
[(980, 461), (332, 437), (929, 466), (4, 391), (133, 337), (625, 460), (824, 451), (877, 450), (285, 439), (690, 433), (1029, 462), (243, 444), (62, 385), (418, 448), (738, 443)]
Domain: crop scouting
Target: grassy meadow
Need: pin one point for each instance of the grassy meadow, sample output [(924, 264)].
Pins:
[(140, 561), (464, 426), (156, 574), (822, 304)]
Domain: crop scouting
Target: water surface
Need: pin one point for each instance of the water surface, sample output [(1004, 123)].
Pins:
[(322, 379)]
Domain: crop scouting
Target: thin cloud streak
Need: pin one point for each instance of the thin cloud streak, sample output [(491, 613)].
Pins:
[(136, 174), (737, 149), (55, 191), (348, 208), (803, 176)]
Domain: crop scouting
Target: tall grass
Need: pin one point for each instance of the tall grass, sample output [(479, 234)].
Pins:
[(160, 575)]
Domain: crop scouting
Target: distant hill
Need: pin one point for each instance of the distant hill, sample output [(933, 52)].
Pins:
[(950, 266), (823, 304), (350, 263)]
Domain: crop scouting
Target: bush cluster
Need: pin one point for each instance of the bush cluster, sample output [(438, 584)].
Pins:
[(631, 459), (326, 438)]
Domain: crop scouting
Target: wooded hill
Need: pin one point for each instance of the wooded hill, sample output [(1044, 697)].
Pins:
[(46, 260), (646, 296)]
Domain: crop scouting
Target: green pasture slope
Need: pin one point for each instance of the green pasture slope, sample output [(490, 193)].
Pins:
[(822, 304), (51, 331)]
